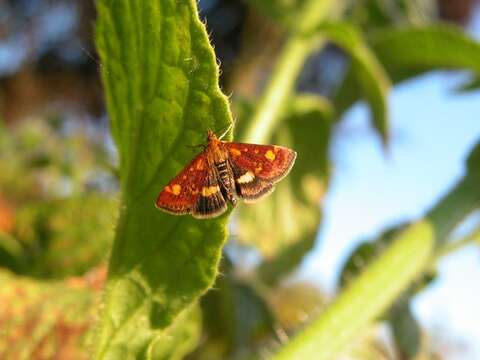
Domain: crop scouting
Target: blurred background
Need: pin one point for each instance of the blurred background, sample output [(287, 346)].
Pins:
[(59, 186)]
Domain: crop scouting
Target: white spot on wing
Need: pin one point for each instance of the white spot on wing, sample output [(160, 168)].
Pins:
[(246, 178)]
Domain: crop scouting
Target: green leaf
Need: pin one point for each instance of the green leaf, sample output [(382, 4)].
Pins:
[(161, 82), (454, 207), (370, 77), (473, 161), (180, 339), (472, 84), (236, 318), (283, 226), (409, 52)]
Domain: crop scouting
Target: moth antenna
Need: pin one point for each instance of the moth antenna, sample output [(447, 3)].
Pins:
[(226, 131)]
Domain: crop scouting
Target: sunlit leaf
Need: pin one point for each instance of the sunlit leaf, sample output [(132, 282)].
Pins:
[(161, 82), (180, 339)]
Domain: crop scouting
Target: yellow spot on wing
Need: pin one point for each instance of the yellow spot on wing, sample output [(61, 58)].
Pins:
[(200, 165), (246, 178), (176, 189), (210, 190), (270, 155), (235, 152)]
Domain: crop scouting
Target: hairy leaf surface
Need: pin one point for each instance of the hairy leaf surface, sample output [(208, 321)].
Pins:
[(161, 82)]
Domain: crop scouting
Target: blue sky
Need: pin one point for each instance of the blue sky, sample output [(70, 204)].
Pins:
[(433, 131)]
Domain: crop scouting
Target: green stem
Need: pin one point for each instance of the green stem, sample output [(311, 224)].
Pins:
[(368, 296), (386, 278), (473, 237), (464, 198), (286, 71)]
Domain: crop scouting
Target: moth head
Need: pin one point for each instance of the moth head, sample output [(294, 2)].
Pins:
[(211, 135)]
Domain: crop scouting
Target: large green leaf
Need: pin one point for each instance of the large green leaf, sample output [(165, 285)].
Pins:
[(370, 77), (161, 82), (409, 52)]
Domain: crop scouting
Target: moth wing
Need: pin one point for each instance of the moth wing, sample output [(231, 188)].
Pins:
[(269, 162), (210, 202), (195, 190), (181, 194), (257, 168)]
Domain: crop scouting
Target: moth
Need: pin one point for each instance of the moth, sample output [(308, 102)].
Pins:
[(224, 172)]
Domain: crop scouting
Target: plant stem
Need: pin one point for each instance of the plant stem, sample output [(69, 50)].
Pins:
[(464, 198), (473, 237), (360, 303), (287, 69)]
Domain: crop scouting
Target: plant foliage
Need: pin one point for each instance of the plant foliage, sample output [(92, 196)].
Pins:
[(161, 81)]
